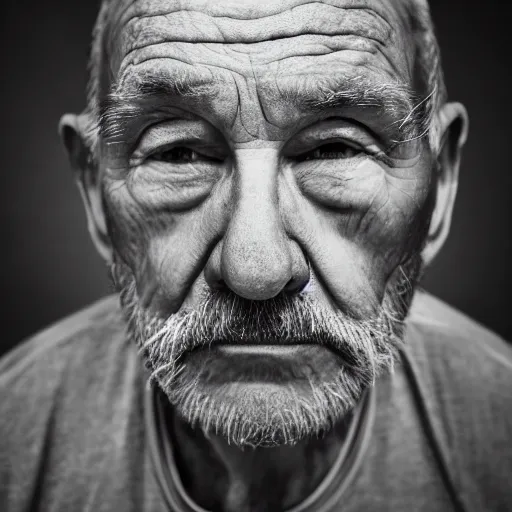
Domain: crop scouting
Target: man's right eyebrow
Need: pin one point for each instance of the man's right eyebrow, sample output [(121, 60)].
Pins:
[(120, 109)]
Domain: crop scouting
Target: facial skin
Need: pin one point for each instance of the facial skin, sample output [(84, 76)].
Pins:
[(254, 156)]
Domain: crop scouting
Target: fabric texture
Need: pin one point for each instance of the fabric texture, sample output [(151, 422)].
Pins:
[(75, 422)]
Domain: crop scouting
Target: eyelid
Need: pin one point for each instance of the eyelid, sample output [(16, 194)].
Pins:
[(337, 130), (372, 149), (334, 130), (176, 132), (200, 152)]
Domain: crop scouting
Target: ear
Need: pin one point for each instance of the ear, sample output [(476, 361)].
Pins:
[(453, 124), (72, 129)]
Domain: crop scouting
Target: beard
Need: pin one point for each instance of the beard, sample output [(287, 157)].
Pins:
[(263, 403)]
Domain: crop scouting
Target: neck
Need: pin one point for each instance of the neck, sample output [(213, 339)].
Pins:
[(219, 476)]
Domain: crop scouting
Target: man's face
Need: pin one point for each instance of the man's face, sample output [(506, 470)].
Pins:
[(265, 209)]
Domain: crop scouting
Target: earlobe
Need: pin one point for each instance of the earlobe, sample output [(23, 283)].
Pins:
[(72, 133), (453, 125)]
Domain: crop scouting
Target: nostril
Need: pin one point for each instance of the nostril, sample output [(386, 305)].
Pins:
[(212, 272), (295, 285), (218, 284), (301, 275), (214, 279), (298, 283)]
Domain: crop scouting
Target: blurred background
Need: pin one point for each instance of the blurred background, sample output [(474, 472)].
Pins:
[(49, 267)]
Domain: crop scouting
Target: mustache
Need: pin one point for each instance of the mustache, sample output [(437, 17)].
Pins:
[(225, 318)]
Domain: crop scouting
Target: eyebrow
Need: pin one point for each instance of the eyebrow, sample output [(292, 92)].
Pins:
[(120, 109), (396, 103), (405, 116)]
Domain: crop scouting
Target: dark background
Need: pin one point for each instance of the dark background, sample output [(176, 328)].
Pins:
[(48, 265)]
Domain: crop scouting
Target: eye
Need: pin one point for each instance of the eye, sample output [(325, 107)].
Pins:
[(331, 151), (182, 155)]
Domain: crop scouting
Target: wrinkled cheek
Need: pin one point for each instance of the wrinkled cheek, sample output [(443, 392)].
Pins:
[(127, 224), (373, 223), (165, 249), (394, 225)]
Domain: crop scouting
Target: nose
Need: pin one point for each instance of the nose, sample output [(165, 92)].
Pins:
[(256, 259)]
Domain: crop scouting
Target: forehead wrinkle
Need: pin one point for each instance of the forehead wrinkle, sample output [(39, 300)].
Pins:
[(244, 10), (136, 37), (381, 12), (225, 29), (261, 53), (387, 13), (112, 30), (321, 65), (307, 93), (302, 52)]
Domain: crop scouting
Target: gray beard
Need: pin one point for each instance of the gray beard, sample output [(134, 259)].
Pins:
[(365, 349)]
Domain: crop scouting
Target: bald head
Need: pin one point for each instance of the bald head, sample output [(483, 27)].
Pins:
[(411, 16)]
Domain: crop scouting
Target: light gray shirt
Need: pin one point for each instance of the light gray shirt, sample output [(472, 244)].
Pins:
[(79, 426)]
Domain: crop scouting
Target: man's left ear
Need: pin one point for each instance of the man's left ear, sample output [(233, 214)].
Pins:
[(453, 123), (72, 130)]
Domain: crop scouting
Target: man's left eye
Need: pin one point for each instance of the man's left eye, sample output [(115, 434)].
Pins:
[(180, 155), (331, 151)]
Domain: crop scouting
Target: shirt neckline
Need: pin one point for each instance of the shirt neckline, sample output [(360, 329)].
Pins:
[(322, 499)]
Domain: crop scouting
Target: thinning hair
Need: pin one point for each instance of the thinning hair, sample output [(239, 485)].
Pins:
[(429, 84)]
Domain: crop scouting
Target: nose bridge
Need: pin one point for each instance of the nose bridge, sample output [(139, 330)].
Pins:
[(256, 261)]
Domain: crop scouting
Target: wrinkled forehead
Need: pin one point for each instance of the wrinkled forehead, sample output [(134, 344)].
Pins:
[(362, 26)]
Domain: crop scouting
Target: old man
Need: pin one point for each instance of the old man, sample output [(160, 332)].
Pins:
[(266, 180)]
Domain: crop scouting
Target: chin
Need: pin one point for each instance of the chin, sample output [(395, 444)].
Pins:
[(265, 395), (266, 373)]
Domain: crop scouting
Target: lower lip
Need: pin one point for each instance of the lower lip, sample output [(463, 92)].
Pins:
[(258, 350), (260, 363)]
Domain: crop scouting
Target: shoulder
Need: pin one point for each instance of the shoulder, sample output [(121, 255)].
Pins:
[(462, 374), (76, 354), (457, 348), (74, 340), (58, 391)]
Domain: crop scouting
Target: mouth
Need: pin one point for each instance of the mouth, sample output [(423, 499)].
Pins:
[(277, 351), (228, 363)]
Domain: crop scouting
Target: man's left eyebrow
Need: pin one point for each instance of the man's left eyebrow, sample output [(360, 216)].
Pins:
[(120, 109), (396, 104)]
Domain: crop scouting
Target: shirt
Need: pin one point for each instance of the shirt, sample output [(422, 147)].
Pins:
[(80, 429)]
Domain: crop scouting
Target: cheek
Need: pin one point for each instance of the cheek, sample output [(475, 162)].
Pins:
[(390, 225), (358, 224), (127, 226), (165, 236)]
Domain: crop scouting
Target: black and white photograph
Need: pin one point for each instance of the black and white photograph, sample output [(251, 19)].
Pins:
[(256, 256)]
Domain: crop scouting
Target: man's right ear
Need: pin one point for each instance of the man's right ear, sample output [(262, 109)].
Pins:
[(72, 133)]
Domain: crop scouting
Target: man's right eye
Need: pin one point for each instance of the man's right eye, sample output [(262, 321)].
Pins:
[(181, 155)]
